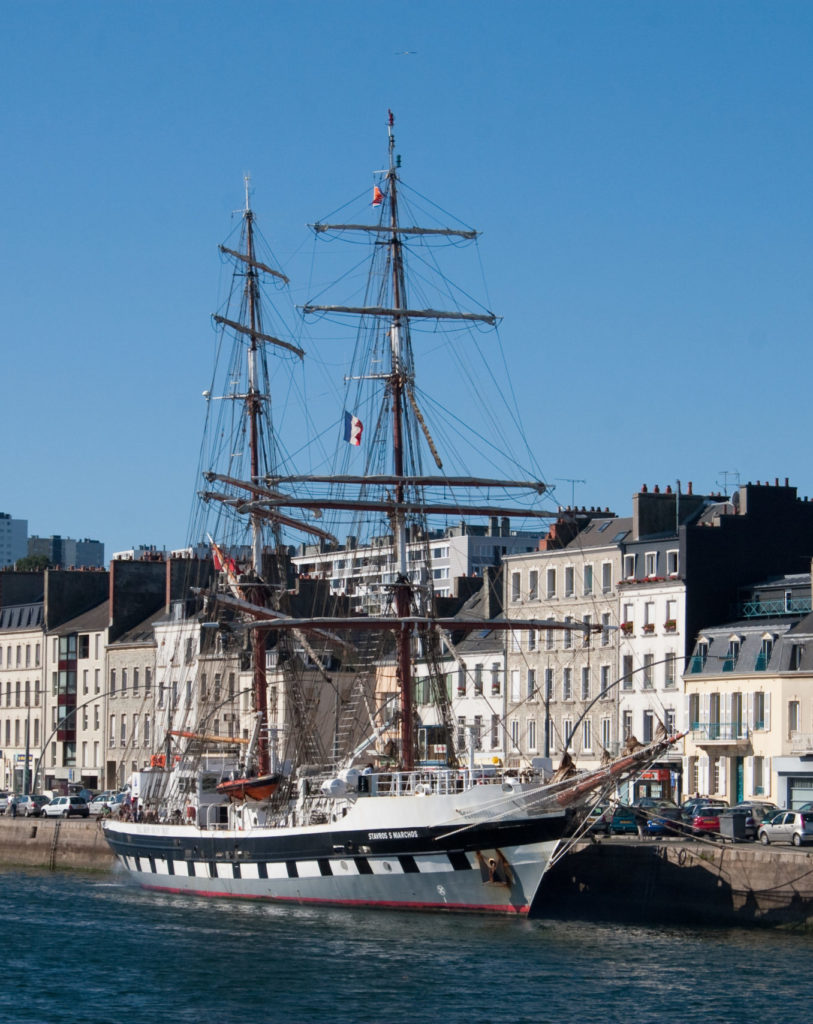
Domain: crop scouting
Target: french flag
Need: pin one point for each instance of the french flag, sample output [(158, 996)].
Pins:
[(352, 429)]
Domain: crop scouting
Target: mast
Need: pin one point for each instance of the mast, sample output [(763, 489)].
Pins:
[(253, 407), (403, 588)]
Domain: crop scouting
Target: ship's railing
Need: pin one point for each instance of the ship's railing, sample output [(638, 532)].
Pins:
[(416, 783)]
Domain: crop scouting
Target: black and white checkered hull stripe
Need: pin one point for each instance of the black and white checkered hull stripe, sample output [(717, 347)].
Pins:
[(434, 880)]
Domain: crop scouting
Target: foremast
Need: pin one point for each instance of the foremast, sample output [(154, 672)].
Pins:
[(254, 400)]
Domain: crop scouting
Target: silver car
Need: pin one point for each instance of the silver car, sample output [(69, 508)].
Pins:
[(787, 827)]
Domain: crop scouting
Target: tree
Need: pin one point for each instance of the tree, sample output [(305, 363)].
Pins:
[(32, 563)]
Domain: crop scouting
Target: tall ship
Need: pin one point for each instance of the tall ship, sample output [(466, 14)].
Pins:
[(345, 789)]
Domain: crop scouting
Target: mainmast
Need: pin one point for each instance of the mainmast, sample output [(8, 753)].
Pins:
[(403, 588)]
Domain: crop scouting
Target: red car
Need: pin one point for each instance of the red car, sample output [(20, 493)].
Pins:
[(706, 821)]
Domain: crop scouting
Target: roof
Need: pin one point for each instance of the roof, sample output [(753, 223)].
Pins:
[(22, 616), (602, 533), (95, 620), (143, 633)]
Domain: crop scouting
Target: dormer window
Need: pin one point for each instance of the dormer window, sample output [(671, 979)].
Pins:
[(672, 564), (732, 654), (651, 563), (629, 567)]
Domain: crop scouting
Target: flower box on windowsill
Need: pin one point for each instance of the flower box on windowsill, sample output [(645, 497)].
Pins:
[(649, 627), (670, 626), (626, 628), (495, 691)]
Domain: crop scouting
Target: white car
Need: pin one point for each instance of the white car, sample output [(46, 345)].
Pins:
[(65, 806), (787, 827)]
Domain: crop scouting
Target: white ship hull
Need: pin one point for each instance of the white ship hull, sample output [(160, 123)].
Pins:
[(407, 853)]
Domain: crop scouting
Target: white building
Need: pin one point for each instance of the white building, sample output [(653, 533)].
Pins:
[(13, 539)]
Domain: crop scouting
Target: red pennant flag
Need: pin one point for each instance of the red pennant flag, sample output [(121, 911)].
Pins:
[(378, 196)]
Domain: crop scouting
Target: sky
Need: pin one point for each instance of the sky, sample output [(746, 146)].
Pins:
[(640, 172)]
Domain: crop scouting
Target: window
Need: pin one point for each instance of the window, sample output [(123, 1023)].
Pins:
[(84, 646), (515, 734), (203, 687), (587, 621), (531, 639), (567, 641), (606, 733), (669, 721), (548, 684), (651, 563), (567, 684), (629, 567), (585, 683), (515, 586), (588, 580), (649, 660), (795, 657), (219, 686), (550, 638), (671, 563), (112, 742), (461, 681), (123, 730), (759, 783), (793, 716), (605, 629), (189, 651), (533, 585), (478, 679), (112, 682), (606, 577), (759, 710), (550, 583), (97, 680), (495, 731), (765, 652), (567, 731), (461, 733), (135, 682), (478, 732), (516, 646), (569, 588), (515, 695), (649, 719), (147, 682), (531, 684), (85, 684), (135, 730), (124, 682), (604, 675), (495, 679), (587, 734), (531, 735), (626, 672), (669, 679), (732, 654)]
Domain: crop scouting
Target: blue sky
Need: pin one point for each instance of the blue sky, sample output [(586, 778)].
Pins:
[(640, 172)]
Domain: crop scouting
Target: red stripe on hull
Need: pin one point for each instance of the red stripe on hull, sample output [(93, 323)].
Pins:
[(473, 908)]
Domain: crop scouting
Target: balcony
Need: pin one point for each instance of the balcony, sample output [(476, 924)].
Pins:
[(801, 743), (719, 733), (761, 609)]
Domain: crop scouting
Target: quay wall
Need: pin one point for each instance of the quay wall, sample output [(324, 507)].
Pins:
[(51, 843), (681, 882)]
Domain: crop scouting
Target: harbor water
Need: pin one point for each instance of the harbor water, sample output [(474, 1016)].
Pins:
[(93, 949)]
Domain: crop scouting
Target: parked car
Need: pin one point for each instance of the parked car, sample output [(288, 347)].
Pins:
[(100, 804), (4, 795), (65, 806), (690, 806), (599, 819), (30, 806), (756, 811), (787, 827), (706, 821), (806, 807), (660, 817), (623, 821), (116, 802)]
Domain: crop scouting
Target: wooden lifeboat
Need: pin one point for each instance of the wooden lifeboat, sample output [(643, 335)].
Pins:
[(260, 787)]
